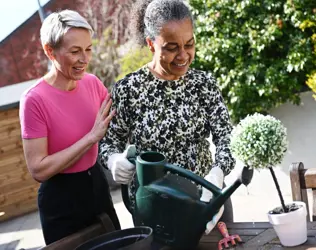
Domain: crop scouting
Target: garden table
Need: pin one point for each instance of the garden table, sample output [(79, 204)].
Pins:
[(255, 236)]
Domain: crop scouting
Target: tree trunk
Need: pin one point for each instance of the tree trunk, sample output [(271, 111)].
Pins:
[(279, 190)]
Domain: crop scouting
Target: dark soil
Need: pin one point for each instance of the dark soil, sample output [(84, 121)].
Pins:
[(290, 208)]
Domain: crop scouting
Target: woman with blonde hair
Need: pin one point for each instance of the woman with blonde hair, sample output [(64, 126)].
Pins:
[(63, 117)]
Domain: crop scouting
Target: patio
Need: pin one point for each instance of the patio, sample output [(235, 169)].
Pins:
[(25, 232)]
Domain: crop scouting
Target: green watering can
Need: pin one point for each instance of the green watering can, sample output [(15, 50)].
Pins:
[(170, 203)]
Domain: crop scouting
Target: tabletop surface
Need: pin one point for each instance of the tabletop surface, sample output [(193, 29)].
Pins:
[(255, 236)]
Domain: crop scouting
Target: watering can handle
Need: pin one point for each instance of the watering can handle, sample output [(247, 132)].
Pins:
[(130, 155), (193, 177), (124, 191)]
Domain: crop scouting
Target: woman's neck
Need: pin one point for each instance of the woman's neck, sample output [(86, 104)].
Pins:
[(160, 73), (56, 79)]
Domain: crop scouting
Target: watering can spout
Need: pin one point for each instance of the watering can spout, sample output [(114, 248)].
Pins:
[(244, 177)]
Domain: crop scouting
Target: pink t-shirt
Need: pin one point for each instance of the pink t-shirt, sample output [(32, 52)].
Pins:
[(64, 117)]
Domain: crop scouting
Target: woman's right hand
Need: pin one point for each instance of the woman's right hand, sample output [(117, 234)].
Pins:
[(102, 120), (121, 168)]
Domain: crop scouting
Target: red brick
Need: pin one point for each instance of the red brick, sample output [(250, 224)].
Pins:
[(21, 54)]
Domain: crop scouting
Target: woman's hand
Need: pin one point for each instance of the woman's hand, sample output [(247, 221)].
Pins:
[(121, 168), (102, 120), (216, 177)]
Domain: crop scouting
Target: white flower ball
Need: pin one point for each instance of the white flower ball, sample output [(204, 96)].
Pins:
[(260, 141)]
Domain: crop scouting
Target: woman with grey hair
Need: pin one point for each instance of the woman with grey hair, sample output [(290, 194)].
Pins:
[(167, 107), (63, 117)]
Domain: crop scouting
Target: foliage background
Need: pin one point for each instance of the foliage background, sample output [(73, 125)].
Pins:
[(258, 50), (109, 20), (133, 59), (263, 52)]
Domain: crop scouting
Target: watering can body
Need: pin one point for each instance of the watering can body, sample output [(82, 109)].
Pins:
[(168, 201)]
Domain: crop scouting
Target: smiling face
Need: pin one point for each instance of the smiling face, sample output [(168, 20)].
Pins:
[(72, 57), (173, 49)]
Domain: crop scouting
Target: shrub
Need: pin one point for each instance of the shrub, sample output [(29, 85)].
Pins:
[(256, 49), (133, 59), (105, 59), (259, 141), (311, 82)]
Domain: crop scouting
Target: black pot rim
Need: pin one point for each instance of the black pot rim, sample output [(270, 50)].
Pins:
[(124, 233), (289, 203)]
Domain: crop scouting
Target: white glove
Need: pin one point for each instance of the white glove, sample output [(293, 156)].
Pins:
[(122, 169), (216, 177)]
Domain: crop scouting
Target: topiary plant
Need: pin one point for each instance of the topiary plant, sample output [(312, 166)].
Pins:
[(261, 142)]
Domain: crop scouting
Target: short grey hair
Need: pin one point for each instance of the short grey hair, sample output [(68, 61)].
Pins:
[(148, 17), (56, 25)]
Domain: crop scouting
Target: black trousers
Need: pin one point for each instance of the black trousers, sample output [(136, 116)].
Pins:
[(70, 202)]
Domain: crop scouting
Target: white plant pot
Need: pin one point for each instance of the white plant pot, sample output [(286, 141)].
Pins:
[(291, 228)]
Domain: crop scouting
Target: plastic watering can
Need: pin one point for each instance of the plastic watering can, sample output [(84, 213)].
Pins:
[(170, 203)]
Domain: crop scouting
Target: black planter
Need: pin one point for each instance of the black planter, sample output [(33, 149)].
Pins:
[(138, 238)]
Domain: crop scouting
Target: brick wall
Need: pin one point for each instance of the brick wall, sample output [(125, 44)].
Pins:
[(21, 54)]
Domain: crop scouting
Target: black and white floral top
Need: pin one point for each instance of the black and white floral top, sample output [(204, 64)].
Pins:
[(171, 117)]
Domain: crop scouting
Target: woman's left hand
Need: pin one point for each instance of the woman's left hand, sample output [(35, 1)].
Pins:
[(102, 120), (216, 177)]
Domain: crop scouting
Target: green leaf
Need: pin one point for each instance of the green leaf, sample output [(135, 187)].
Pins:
[(261, 92), (257, 50)]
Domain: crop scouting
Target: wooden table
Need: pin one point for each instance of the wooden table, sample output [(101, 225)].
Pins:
[(256, 236)]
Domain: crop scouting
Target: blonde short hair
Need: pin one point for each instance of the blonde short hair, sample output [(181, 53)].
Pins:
[(56, 25)]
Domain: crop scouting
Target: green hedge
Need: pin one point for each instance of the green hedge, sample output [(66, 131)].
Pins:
[(133, 60), (258, 50)]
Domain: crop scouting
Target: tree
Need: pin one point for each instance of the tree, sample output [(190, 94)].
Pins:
[(256, 49), (105, 59), (309, 26), (133, 59), (109, 20), (102, 14)]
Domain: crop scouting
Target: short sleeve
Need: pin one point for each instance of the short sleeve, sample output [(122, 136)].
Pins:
[(32, 119)]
